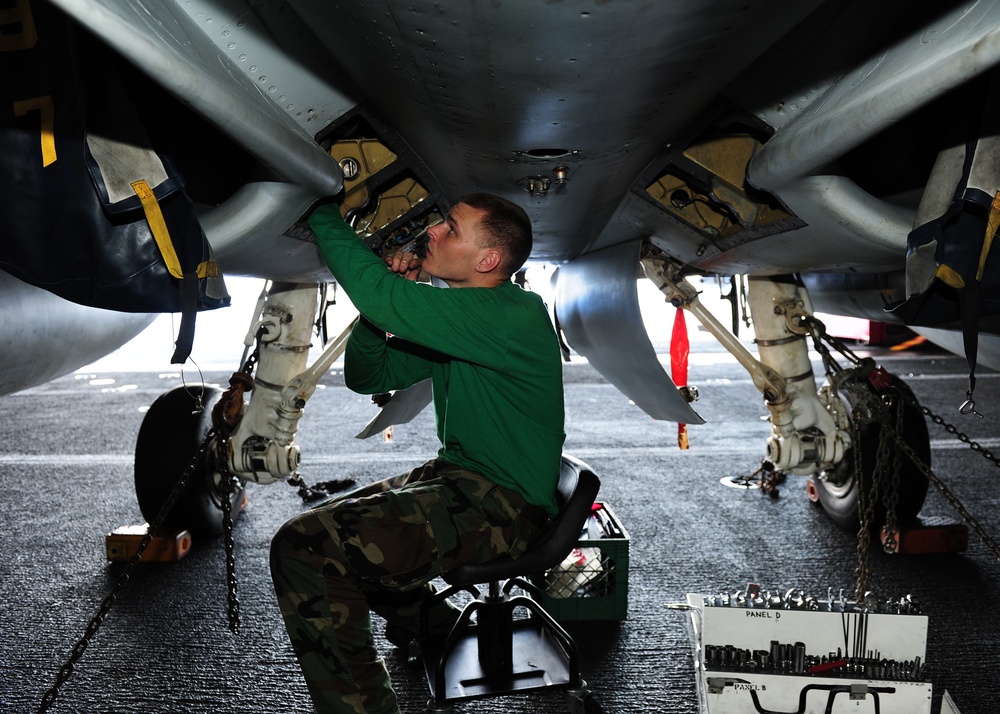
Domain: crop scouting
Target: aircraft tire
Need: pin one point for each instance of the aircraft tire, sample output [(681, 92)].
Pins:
[(838, 494), (170, 435)]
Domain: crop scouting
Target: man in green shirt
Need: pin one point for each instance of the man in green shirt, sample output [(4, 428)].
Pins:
[(491, 354)]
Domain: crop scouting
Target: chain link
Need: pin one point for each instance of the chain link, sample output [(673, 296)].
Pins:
[(50, 695), (221, 428), (837, 379), (869, 406), (895, 430), (949, 496), (230, 486), (953, 500), (951, 429), (866, 513), (319, 490), (891, 495), (226, 417), (766, 478)]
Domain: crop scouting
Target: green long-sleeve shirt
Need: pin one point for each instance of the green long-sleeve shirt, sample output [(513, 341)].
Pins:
[(491, 354)]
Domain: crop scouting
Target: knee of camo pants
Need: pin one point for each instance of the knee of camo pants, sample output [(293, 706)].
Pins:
[(327, 621)]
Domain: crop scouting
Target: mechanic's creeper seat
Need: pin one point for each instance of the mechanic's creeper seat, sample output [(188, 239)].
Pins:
[(498, 654)]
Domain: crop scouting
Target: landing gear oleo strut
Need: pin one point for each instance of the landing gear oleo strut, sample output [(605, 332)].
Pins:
[(260, 444), (198, 446), (814, 431)]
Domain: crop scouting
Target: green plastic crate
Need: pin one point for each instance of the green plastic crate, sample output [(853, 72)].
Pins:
[(594, 584)]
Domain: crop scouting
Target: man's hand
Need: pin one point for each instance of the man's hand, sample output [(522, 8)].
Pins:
[(406, 263)]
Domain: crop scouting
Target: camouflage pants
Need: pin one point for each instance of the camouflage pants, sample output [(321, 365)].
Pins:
[(376, 549)]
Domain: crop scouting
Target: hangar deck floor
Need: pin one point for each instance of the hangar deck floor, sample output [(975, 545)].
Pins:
[(66, 473)]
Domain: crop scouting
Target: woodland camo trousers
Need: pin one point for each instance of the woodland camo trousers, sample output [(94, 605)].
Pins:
[(377, 549)]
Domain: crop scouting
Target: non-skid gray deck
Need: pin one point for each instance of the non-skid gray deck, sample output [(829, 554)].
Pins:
[(66, 478)]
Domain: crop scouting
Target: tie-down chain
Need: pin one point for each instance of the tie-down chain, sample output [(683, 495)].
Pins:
[(876, 392), (226, 416)]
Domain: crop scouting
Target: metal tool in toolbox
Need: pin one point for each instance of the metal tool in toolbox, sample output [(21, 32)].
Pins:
[(765, 652)]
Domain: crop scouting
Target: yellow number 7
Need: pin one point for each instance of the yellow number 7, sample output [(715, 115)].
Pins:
[(46, 108)]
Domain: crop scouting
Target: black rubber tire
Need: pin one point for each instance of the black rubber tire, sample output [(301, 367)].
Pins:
[(838, 495), (169, 437)]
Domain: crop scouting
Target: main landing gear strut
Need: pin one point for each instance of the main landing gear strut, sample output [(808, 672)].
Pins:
[(836, 434), (254, 441)]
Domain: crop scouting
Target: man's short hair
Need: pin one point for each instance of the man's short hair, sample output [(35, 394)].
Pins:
[(506, 226)]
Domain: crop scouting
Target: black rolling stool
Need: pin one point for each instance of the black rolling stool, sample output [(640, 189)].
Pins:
[(498, 654)]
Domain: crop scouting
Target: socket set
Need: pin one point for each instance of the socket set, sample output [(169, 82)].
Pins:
[(752, 596), (793, 659), (787, 651)]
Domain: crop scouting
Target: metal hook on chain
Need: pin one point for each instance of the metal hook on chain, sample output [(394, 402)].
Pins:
[(969, 406), (195, 392)]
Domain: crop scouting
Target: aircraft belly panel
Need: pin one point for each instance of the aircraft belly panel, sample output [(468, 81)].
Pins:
[(815, 129), (483, 91), (167, 44), (877, 93), (952, 340), (597, 306), (846, 229)]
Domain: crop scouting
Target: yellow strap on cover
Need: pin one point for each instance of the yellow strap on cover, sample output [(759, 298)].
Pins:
[(208, 269), (991, 230), (161, 234), (158, 227)]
